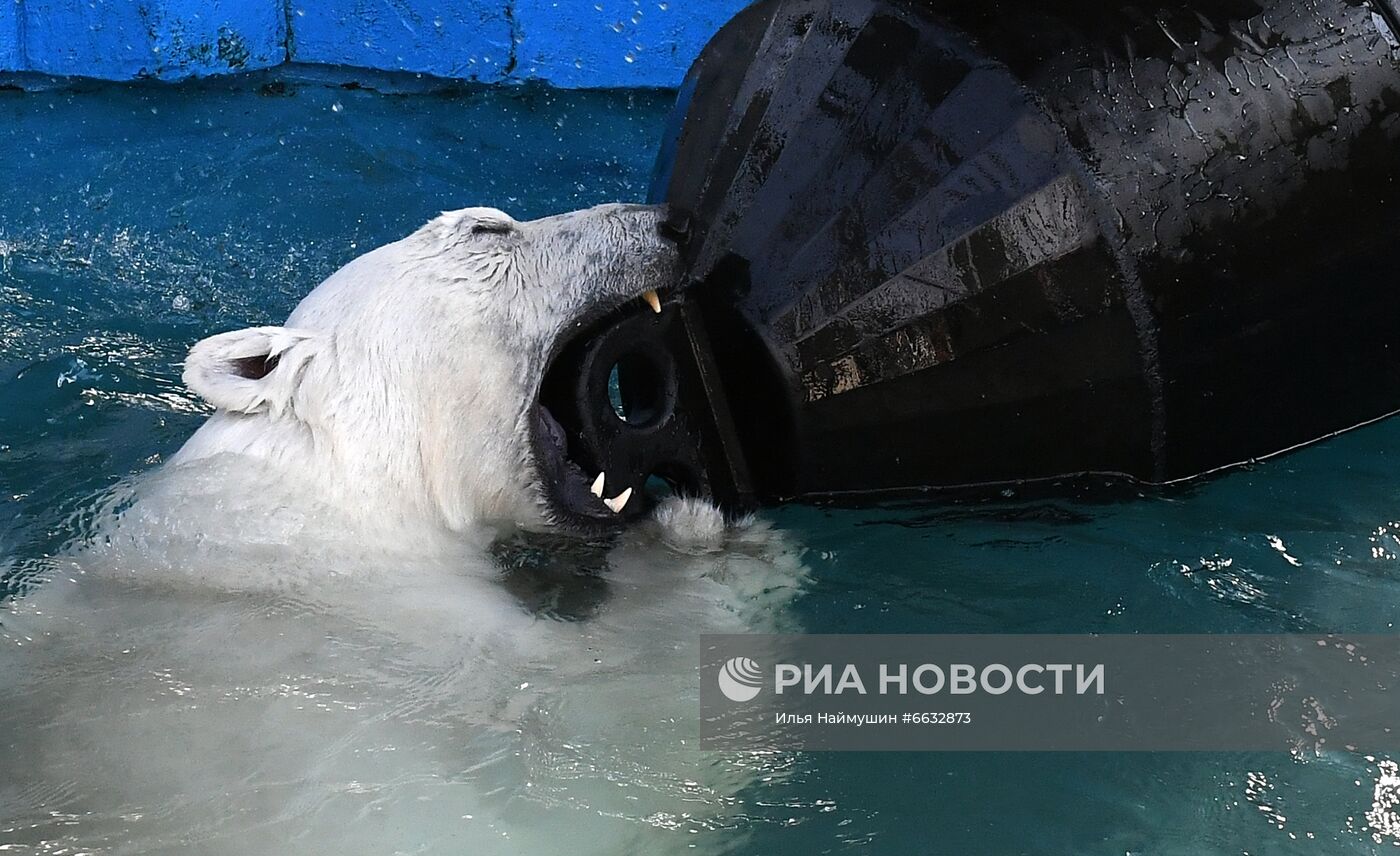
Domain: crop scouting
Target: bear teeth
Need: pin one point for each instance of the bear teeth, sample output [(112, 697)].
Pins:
[(617, 502), (653, 300), (597, 487)]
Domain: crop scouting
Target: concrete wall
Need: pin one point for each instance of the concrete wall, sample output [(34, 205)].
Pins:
[(567, 43)]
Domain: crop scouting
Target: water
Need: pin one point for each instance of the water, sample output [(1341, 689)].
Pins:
[(260, 705)]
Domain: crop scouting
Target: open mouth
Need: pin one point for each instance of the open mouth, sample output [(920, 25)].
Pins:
[(588, 396)]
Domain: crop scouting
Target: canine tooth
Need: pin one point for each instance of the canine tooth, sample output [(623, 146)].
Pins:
[(653, 300), (617, 502), (598, 485)]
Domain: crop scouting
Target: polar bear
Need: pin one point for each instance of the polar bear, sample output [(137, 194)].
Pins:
[(405, 385), (298, 635)]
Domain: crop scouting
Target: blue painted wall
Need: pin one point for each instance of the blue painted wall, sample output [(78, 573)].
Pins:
[(467, 39), (581, 43), (10, 56), (567, 43), (118, 39)]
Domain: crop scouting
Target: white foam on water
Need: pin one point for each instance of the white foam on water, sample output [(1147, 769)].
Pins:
[(223, 668)]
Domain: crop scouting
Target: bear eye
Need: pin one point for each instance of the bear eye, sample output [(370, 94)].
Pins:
[(491, 227)]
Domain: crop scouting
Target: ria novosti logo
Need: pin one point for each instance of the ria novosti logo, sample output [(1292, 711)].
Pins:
[(740, 679)]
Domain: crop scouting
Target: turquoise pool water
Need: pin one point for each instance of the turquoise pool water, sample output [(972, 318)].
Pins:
[(136, 220)]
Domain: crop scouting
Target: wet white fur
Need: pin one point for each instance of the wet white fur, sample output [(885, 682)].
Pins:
[(403, 381), (291, 639)]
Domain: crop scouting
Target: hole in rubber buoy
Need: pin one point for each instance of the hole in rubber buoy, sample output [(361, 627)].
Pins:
[(670, 480), (657, 489), (639, 389)]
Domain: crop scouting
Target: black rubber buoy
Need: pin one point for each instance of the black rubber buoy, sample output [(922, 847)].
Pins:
[(950, 243)]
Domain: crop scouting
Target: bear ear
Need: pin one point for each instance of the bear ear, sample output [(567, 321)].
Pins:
[(251, 371)]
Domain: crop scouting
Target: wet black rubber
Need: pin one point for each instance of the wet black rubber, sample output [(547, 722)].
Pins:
[(958, 243), (965, 242)]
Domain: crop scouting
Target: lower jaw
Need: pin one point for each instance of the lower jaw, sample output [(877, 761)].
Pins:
[(569, 501)]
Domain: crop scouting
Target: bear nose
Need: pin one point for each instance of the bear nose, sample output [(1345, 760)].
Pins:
[(675, 226)]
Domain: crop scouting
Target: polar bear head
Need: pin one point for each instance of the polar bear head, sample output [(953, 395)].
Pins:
[(406, 383)]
